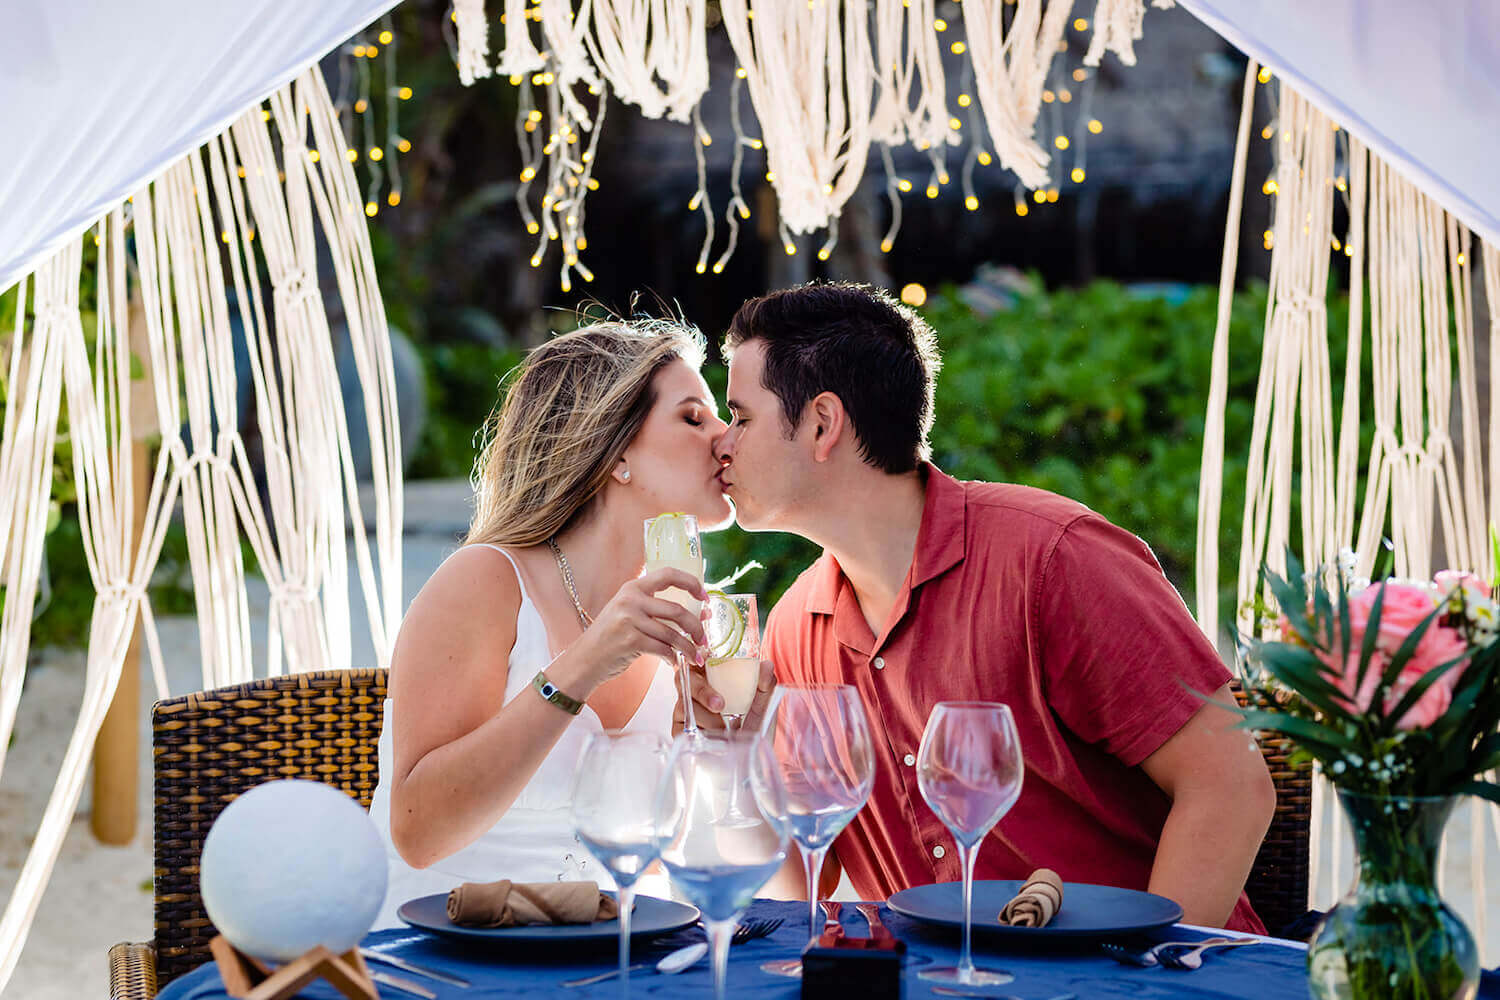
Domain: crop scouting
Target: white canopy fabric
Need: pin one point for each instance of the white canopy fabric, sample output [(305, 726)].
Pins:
[(99, 96), (1417, 83)]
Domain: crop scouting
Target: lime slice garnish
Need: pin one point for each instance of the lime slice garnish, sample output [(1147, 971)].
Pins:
[(668, 538), (730, 641)]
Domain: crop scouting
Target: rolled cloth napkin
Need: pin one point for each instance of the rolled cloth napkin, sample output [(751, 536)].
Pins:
[(510, 904), (1037, 902)]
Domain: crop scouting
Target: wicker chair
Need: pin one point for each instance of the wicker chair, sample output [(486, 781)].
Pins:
[(1277, 886), (212, 746)]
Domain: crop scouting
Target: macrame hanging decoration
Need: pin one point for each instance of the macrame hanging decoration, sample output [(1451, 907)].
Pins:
[(1118, 25), (636, 43), (823, 87), (473, 31), (1010, 72), (811, 80), (1413, 261), (273, 195), (913, 101)]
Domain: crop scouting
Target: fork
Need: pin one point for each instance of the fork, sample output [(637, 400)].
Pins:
[(1152, 956), (1192, 958), (752, 929)]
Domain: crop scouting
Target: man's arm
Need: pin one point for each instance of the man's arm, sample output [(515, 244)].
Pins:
[(1222, 804)]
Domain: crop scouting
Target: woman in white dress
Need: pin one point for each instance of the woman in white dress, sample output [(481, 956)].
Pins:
[(543, 609)]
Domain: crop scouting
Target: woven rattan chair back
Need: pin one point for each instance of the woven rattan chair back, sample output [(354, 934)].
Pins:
[(1277, 886), (212, 746)]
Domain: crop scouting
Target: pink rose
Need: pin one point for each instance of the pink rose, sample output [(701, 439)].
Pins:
[(1403, 609), (1401, 612)]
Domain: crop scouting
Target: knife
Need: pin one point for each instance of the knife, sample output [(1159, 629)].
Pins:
[(406, 966), (404, 985)]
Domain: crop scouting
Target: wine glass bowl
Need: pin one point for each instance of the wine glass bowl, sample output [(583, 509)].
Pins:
[(733, 668), (721, 812), (820, 736), (672, 541), (969, 770), (614, 813)]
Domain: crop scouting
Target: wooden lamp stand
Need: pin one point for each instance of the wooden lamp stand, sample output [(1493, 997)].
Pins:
[(251, 979)]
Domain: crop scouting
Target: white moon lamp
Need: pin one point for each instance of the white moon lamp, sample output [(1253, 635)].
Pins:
[(291, 865)]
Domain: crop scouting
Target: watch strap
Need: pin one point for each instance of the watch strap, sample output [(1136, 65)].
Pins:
[(551, 692)]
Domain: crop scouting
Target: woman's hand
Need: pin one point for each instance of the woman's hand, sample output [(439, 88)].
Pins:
[(707, 702), (636, 622)]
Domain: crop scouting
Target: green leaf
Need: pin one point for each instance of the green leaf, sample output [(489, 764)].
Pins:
[(1483, 789), (1367, 645), (1306, 732), (1302, 671)]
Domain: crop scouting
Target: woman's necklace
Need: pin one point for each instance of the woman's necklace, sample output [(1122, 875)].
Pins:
[(567, 577)]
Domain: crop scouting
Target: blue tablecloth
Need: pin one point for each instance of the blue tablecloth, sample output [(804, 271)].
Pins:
[(1254, 973)]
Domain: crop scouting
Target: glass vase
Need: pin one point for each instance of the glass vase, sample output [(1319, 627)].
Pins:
[(1391, 937)]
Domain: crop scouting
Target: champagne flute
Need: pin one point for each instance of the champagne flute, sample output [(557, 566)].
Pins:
[(821, 741), (969, 771), (720, 865), (733, 668), (672, 541), (614, 814)]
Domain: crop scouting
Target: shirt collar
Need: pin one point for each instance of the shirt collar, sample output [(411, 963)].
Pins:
[(940, 542)]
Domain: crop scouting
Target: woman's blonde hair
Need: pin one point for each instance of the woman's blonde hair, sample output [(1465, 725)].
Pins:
[(568, 413)]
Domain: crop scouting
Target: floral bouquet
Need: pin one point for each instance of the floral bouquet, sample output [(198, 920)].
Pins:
[(1394, 690)]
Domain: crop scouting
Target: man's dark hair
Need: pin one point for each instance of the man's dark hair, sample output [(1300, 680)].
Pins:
[(879, 357)]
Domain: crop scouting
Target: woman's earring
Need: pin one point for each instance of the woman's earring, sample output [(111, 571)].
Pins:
[(625, 476)]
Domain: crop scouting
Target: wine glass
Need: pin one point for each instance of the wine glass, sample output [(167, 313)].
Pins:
[(821, 743), (733, 667), (614, 814), (718, 864), (969, 771), (672, 540)]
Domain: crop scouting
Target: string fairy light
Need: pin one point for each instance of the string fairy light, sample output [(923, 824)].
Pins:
[(1024, 104), (359, 60)]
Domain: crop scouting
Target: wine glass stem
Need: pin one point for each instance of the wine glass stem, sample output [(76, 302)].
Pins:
[(966, 856), (812, 861), (626, 897), (719, 932), (689, 721)]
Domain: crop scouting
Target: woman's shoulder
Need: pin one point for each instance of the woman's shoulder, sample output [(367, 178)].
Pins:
[(476, 577)]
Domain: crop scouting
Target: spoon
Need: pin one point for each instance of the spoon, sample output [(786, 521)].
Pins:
[(670, 964)]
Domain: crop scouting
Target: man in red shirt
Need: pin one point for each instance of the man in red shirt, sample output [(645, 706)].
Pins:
[(930, 590)]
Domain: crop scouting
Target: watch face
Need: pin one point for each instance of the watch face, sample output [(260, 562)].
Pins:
[(548, 690)]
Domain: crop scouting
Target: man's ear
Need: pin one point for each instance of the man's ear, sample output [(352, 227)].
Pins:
[(829, 421)]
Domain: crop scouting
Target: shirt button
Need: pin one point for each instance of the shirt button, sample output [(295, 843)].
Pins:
[(909, 760), (938, 851), (879, 663)]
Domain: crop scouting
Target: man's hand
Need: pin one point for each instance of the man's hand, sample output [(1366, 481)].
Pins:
[(708, 703)]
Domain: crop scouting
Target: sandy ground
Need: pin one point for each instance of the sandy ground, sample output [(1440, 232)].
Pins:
[(101, 895)]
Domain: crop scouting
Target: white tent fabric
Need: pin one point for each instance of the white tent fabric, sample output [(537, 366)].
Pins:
[(1419, 84), (98, 98)]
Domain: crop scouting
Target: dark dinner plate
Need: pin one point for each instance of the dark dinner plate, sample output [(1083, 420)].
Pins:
[(650, 917), (1086, 911)]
